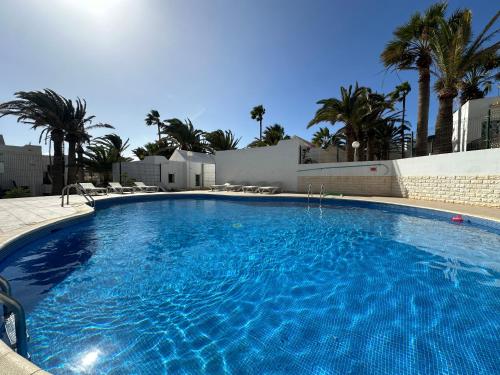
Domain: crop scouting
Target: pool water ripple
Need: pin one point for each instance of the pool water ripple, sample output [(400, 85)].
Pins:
[(212, 286)]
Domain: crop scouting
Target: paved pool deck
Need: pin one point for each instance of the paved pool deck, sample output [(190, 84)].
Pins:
[(20, 216)]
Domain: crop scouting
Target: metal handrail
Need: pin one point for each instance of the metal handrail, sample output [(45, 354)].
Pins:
[(13, 306), (309, 190), (321, 193), (80, 191)]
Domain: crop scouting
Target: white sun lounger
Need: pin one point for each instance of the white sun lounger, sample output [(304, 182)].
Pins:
[(271, 189), (250, 188), (141, 186), (219, 187), (90, 189), (232, 187), (118, 188)]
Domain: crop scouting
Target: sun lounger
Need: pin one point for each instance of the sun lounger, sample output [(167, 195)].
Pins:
[(232, 187), (271, 189), (90, 189), (219, 187), (118, 188), (141, 186), (249, 188)]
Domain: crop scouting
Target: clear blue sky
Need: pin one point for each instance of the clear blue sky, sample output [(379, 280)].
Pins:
[(211, 61)]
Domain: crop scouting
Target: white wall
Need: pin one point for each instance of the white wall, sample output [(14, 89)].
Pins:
[(178, 169), (480, 162), (279, 164), (25, 165), (260, 165)]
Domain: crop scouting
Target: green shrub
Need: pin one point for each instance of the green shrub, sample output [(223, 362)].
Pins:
[(17, 192)]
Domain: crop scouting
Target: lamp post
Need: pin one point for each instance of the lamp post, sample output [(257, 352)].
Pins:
[(355, 146)]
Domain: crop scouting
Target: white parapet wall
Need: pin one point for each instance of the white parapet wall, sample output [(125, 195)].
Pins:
[(463, 177), (466, 177)]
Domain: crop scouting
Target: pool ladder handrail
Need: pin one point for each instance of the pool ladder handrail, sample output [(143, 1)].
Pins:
[(80, 191), (12, 306), (309, 192), (321, 193)]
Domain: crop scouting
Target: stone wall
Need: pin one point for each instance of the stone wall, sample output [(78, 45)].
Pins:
[(474, 190)]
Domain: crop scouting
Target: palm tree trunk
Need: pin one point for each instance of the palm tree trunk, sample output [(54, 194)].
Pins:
[(350, 138), (424, 93), (403, 129), (72, 167), (370, 149), (444, 122), (79, 152), (58, 166), (159, 134), (260, 134)]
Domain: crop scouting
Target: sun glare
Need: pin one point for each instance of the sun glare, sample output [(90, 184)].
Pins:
[(98, 8)]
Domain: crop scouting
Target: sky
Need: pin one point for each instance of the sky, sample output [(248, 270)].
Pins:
[(207, 60)]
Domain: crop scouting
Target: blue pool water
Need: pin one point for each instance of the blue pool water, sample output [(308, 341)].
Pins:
[(194, 286)]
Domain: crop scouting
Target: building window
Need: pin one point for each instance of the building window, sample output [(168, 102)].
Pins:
[(171, 178), (197, 180)]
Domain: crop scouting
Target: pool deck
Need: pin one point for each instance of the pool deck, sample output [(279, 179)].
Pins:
[(20, 216)]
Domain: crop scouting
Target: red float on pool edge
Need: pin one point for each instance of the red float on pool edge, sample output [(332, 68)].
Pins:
[(457, 219)]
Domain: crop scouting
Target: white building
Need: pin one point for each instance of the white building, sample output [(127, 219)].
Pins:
[(23, 166), (263, 165), (470, 124), (184, 170)]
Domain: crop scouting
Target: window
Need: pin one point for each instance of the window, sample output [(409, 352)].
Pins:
[(171, 178), (197, 180)]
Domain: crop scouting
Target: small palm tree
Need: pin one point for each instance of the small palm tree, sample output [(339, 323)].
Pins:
[(272, 135), (220, 140), (184, 135), (399, 95), (410, 49), (479, 79), (257, 113), (51, 112), (103, 152), (455, 53), (163, 148), (153, 118)]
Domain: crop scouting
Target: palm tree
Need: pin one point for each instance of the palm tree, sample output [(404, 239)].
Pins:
[(455, 52), (272, 135), (153, 118), (411, 49), (49, 111), (220, 140), (163, 148), (83, 137), (103, 152), (257, 113), (114, 143), (388, 138), (399, 95), (349, 110), (324, 139), (76, 134), (184, 135), (479, 79)]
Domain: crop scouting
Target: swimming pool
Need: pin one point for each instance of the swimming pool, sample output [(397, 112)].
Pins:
[(251, 287)]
